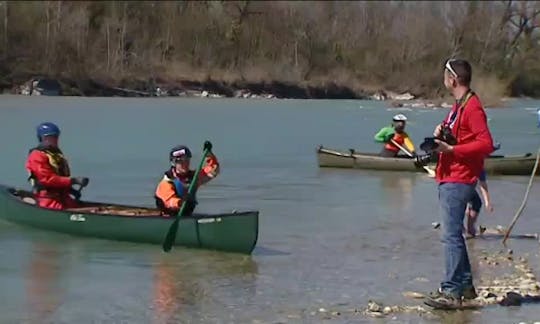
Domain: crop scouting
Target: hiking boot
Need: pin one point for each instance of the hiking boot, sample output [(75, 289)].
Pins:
[(469, 293), (435, 294), (442, 300)]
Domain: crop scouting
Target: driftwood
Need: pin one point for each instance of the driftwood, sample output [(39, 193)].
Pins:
[(524, 202), (142, 93), (497, 232)]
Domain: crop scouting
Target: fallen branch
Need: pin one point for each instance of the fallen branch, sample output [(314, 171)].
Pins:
[(523, 203)]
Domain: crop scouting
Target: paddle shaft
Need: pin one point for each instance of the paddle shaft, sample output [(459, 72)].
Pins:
[(428, 170), (520, 209), (171, 234)]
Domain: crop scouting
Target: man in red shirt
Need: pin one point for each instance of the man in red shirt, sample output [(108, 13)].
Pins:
[(467, 142), (49, 171)]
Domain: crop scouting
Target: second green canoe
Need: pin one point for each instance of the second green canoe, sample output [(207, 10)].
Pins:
[(495, 164)]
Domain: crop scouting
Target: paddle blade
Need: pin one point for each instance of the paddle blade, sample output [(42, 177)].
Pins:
[(431, 173), (171, 236)]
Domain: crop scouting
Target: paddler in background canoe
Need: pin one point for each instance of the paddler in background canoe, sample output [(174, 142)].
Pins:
[(49, 172), (173, 187), (395, 133)]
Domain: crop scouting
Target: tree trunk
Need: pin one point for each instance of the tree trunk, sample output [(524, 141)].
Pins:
[(165, 50), (57, 37), (296, 54), (123, 38), (5, 29), (108, 36), (487, 42), (58, 16), (48, 36)]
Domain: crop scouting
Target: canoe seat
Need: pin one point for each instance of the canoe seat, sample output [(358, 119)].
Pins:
[(25, 196)]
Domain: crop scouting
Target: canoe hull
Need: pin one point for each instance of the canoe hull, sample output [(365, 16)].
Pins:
[(511, 165), (235, 232), (500, 165), (328, 158)]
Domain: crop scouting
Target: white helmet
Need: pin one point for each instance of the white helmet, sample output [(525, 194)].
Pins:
[(399, 117)]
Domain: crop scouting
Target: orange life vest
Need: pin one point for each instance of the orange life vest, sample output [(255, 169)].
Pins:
[(398, 138)]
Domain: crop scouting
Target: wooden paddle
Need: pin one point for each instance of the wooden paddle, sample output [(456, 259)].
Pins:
[(430, 172), (171, 234)]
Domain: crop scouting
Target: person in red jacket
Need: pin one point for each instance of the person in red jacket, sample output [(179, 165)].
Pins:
[(49, 171), (172, 190), (463, 142)]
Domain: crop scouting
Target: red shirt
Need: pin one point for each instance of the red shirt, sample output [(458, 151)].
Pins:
[(470, 128)]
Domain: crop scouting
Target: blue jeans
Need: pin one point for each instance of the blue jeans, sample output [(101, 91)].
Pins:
[(453, 199)]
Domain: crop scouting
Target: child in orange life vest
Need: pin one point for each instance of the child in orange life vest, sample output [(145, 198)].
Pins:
[(395, 132), (172, 190)]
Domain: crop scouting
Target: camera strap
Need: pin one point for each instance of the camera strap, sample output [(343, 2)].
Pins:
[(451, 120)]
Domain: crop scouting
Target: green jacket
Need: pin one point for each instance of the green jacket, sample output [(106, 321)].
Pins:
[(385, 134)]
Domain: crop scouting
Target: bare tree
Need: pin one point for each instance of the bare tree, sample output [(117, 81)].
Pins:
[(5, 4), (388, 44)]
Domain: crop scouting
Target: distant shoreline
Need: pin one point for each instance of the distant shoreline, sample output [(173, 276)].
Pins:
[(219, 89)]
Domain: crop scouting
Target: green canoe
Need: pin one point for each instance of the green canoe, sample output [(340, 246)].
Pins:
[(494, 164), (234, 232)]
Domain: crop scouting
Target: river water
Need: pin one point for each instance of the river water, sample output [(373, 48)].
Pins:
[(328, 238)]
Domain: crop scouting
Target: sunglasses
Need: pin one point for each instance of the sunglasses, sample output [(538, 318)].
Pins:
[(449, 67)]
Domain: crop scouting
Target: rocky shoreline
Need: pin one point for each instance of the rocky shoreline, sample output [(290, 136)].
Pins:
[(505, 279), (516, 287), (37, 85), (183, 88)]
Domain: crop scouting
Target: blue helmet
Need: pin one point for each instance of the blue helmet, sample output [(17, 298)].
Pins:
[(47, 129)]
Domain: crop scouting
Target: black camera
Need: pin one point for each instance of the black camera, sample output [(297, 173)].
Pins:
[(446, 135), (429, 145)]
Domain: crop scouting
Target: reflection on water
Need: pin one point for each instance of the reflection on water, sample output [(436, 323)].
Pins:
[(166, 292), (180, 286), (42, 275), (397, 189), (130, 281)]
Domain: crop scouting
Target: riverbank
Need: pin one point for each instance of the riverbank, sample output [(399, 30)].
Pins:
[(31, 84), (209, 88)]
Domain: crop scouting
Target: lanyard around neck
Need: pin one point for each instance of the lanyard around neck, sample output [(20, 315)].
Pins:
[(459, 107)]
